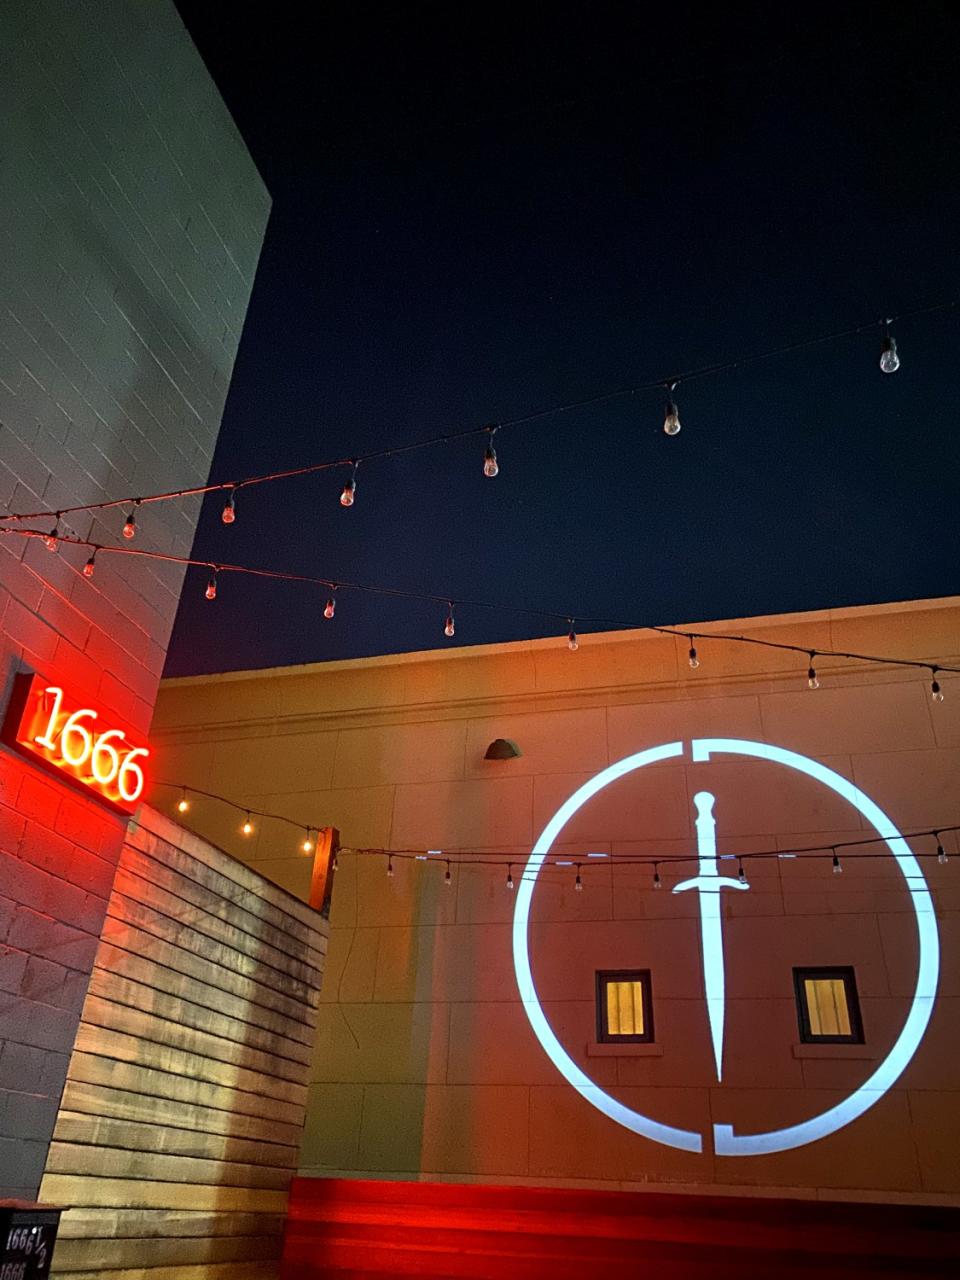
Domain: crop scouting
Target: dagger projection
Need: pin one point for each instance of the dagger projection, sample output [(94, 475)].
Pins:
[(709, 883)]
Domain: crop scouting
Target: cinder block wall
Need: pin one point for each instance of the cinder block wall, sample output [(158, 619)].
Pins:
[(131, 219), (427, 1067)]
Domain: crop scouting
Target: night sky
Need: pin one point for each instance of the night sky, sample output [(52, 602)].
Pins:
[(477, 216)]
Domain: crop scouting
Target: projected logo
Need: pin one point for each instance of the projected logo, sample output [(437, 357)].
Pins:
[(708, 884)]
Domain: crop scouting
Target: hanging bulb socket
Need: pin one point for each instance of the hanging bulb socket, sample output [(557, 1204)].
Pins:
[(447, 877), (578, 883), (449, 627), (573, 644), (211, 591), (812, 680), (741, 874), (490, 466), (390, 866), (837, 866), (889, 360), (510, 876), (936, 693), (941, 851), (692, 658), (657, 882), (229, 513), (183, 804), (350, 488), (90, 566)]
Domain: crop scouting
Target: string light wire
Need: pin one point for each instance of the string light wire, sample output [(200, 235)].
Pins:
[(536, 415)]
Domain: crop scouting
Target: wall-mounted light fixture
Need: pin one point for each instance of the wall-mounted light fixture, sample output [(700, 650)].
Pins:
[(502, 749)]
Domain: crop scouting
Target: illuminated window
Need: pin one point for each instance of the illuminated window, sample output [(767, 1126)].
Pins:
[(827, 1006), (624, 1007)]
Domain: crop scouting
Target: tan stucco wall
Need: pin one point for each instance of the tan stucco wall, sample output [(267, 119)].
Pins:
[(426, 1065)]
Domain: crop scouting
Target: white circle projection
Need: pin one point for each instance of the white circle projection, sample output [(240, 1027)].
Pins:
[(725, 1141)]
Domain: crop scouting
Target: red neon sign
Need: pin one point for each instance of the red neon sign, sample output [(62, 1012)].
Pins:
[(73, 740)]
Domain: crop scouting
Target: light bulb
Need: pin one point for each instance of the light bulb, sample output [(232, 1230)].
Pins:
[(578, 883), (889, 360), (671, 419), (447, 877), (130, 528), (89, 567), (336, 861), (229, 513), (941, 853), (449, 629), (183, 804), (573, 644), (812, 681), (390, 867), (52, 540), (657, 882), (741, 874), (509, 877), (211, 591), (693, 659), (330, 608), (837, 868), (247, 827), (349, 489), (936, 693), (490, 467), (307, 845)]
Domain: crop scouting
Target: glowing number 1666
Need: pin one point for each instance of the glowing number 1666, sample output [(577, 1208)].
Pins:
[(77, 745)]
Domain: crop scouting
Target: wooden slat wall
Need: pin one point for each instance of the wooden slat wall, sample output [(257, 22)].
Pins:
[(179, 1128)]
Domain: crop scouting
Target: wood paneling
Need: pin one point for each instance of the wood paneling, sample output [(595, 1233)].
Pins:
[(179, 1127), (353, 1228)]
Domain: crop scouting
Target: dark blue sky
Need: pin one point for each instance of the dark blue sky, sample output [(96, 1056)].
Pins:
[(476, 216)]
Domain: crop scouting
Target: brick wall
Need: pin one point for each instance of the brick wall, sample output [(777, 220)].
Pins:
[(131, 220)]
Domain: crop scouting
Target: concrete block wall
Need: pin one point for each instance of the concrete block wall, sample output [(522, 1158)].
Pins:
[(131, 218), (426, 1065)]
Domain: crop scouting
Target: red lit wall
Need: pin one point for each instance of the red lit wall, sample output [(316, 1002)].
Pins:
[(130, 243)]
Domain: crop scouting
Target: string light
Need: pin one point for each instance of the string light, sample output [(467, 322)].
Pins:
[(336, 861), (52, 540), (510, 876), (741, 874), (837, 868), (330, 608), (247, 828), (812, 681), (130, 525), (390, 866), (536, 415), (183, 804), (671, 414), (692, 658), (889, 360), (941, 851), (936, 693), (657, 882), (229, 513), (350, 488), (307, 845), (449, 628), (89, 567), (573, 644), (211, 591), (490, 466), (578, 883), (447, 877)]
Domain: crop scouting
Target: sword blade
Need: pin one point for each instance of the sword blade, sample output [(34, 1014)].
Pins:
[(711, 925)]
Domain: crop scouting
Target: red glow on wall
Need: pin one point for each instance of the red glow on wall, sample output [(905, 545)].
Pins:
[(61, 733)]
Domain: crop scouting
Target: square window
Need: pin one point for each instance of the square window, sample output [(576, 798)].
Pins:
[(827, 1006), (624, 1007)]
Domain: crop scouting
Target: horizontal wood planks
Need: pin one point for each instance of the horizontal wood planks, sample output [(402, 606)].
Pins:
[(351, 1228), (179, 1127)]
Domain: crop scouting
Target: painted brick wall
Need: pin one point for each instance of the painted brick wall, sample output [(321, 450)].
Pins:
[(131, 218)]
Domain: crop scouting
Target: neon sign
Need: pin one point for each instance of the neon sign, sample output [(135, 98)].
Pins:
[(71, 740), (709, 883)]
